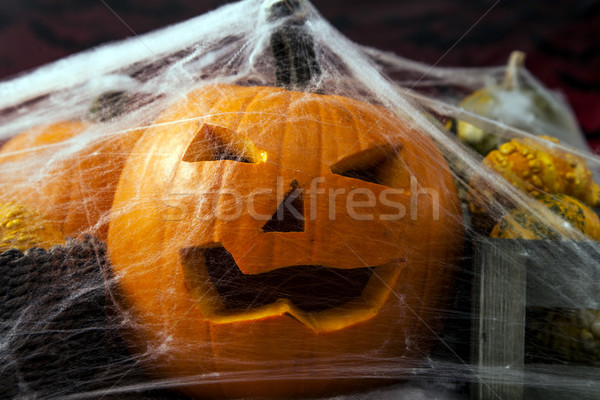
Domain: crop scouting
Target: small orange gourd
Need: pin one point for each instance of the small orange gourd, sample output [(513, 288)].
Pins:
[(73, 189)]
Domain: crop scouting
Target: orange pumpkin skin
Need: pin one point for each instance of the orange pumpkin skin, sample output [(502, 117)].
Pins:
[(76, 192), (168, 200)]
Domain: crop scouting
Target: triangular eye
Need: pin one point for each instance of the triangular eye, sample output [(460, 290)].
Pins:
[(365, 165), (217, 143), (367, 174), (222, 152)]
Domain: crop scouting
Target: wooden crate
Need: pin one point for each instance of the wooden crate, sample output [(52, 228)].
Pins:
[(508, 277)]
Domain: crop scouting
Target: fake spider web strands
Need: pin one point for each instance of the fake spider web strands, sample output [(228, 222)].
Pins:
[(145, 151)]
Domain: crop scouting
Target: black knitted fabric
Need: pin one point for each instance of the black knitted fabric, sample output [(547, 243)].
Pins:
[(59, 333), (52, 318)]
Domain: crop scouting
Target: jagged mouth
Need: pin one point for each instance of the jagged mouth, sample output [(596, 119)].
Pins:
[(311, 288)]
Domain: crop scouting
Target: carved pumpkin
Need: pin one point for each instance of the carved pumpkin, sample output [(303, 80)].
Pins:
[(282, 240), (76, 192)]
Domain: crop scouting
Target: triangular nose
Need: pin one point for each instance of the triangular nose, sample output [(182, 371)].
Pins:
[(289, 216)]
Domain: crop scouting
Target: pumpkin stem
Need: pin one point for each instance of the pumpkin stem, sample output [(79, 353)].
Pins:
[(292, 46), (108, 106), (515, 62)]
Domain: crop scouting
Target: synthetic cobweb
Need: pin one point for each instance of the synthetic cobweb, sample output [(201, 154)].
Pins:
[(119, 311)]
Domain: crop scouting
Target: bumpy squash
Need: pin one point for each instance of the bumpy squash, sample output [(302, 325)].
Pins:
[(567, 335), (520, 223), (22, 228), (534, 168)]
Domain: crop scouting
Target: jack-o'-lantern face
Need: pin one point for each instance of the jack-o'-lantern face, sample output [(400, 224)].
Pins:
[(257, 228)]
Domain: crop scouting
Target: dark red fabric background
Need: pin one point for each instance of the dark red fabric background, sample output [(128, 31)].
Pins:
[(561, 38)]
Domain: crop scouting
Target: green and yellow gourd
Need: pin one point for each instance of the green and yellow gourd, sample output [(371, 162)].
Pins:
[(516, 104), (519, 223), (569, 335), (534, 167)]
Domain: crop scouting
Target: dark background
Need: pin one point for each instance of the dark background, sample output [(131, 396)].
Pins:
[(561, 38)]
